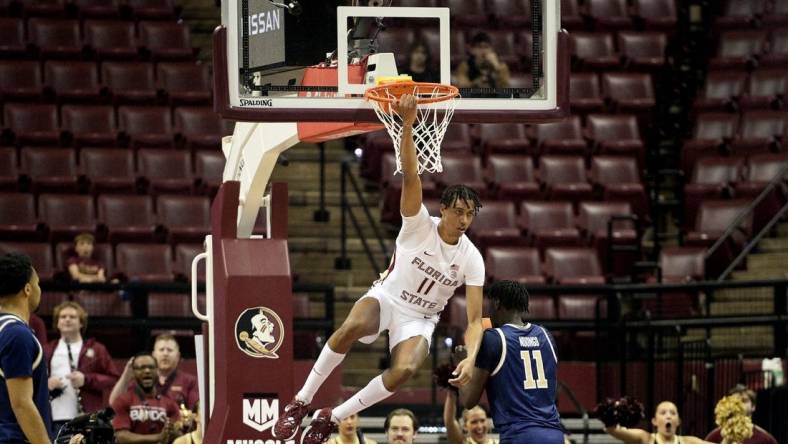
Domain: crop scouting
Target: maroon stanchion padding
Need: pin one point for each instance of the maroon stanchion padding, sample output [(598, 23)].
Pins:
[(252, 322)]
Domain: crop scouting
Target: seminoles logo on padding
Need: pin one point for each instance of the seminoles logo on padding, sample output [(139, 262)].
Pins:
[(259, 332)]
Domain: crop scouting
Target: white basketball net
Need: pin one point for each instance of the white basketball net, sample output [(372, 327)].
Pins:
[(430, 126)]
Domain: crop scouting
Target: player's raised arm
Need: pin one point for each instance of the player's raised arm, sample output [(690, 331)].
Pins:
[(410, 201), (473, 335)]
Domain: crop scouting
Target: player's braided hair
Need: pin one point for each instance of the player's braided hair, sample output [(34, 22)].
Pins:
[(510, 294), (459, 191)]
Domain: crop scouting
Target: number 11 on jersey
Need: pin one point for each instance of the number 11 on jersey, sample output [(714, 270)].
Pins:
[(530, 383)]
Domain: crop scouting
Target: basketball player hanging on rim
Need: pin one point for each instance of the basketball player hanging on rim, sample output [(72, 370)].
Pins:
[(433, 257)]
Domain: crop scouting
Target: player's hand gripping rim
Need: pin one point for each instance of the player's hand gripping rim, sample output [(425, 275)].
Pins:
[(406, 109)]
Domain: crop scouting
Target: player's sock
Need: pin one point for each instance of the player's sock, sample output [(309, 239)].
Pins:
[(325, 364), (373, 393)]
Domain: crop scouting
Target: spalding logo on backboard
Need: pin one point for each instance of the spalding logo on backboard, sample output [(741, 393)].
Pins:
[(259, 332)]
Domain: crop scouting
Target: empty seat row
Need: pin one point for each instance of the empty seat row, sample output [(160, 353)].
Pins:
[(119, 218), (140, 9), (65, 39), (731, 90), (737, 14), (108, 170), (619, 92), (741, 49), (561, 265), (137, 126), (600, 50), (120, 82)]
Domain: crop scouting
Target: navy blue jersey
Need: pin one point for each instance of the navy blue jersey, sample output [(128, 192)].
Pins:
[(523, 379), (21, 356)]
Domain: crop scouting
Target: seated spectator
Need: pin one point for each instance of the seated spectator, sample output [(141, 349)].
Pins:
[(178, 385), (142, 415), (482, 68), (349, 433), (474, 422), (759, 435), (401, 426), (420, 64), (83, 268), (80, 370)]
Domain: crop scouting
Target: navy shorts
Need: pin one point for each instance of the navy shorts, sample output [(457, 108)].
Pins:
[(535, 435)]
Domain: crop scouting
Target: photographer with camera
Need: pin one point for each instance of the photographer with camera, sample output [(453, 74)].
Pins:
[(143, 415), (80, 369), (482, 68)]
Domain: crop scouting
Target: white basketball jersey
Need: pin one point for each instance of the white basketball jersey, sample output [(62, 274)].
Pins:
[(425, 270)]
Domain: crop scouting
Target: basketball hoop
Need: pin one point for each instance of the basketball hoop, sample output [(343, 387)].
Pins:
[(435, 110)]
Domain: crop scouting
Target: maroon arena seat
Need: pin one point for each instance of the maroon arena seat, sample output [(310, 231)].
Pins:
[(585, 94), (468, 12), (721, 90), (549, 224), (562, 137), (151, 9), (104, 304), (513, 13), (541, 307), (760, 130), (594, 50), (512, 177), (682, 264), (110, 39), (457, 138), (209, 168), (737, 49), (32, 124), (496, 224), (146, 126), (570, 14), (504, 138), (127, 218), (564, 178), (67, 215), (34, 8), (778, 52), (185, 83), (18, 220), (712, 131), (514, 263), (40, 254), (108, 170), (19, 79), (609, 14), (12, 37), (184, 254), (462, 168), (579, 307), (713, 218), (765, 89), (738, 15), (593, 219), (711, 177), (628, 92), (615, 134), (186, 218), (9, 169), (166, 40), (166, 170), (570, 266), (618, 179), (90, 125), (643, 50), (96, 8), (51, 169), (200, 127), (169, 305), (72, 81), (656, 14), (761, 169), (55, 38), (130, 82), (145, 262), (778, 14)]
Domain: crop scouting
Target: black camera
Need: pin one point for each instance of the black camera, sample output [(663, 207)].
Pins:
[(96, 427)]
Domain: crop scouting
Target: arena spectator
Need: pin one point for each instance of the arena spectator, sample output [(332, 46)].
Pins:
[(83, 267), (81, 369), (482, 68), (474, 422), (350, 433), (141, 414), (401, 426), (666, 421), (420, 66), (178, 385), (759, 435)]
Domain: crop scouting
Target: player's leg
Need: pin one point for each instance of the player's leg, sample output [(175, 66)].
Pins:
[(363, 320)]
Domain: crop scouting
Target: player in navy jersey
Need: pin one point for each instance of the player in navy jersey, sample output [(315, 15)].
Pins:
[(518, 367)]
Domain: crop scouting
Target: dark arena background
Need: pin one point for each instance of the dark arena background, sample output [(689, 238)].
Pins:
[(648, 224)]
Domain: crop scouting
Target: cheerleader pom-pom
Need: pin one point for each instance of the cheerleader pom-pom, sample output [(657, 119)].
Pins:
[(441, 376), (734, 423), (606, 412), (630, 411)]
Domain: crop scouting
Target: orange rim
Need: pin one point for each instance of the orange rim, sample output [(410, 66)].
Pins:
[(397, 89)]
